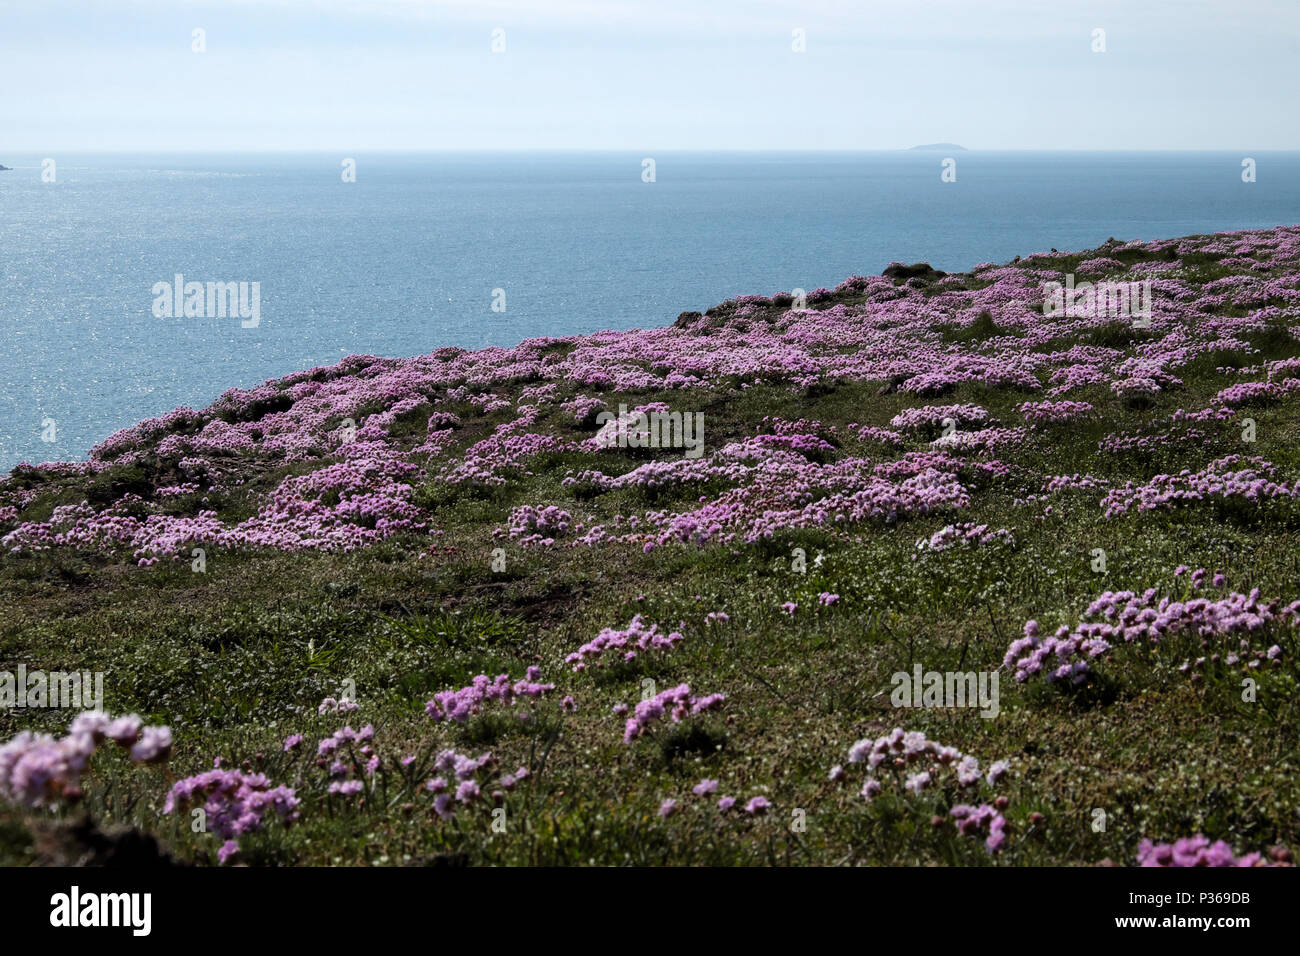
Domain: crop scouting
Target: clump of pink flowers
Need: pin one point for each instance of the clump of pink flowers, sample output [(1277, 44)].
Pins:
[(917, 764), (1135, 389), (534, 525), (901, 751), (466, 783), (676, 703), (1124, 617), (459, 705), (1259, 394), (234, 803), (1234, 478), (875, 433), (985, 819), (331, 706), (37, 770), (1195, 851), (627, 644), (1054, 413), (361, 757), (964, 534), (932, 417)]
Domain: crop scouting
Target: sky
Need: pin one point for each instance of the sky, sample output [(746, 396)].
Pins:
[(351, 75)]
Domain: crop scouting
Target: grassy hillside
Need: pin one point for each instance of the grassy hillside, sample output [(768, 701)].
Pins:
[(386, 530)]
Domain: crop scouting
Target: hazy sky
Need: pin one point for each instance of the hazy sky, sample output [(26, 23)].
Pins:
[(351, 75)]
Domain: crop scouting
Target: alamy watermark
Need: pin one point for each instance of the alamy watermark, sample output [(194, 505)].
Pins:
[(64, 689), (77, 909), (1116, 300), (946, 689), (213, 300), (652, 429)]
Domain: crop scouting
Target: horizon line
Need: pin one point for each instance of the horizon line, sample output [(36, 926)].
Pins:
[(331, 150)]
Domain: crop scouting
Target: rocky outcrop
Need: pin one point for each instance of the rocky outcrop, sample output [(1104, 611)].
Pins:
[(918, 270)]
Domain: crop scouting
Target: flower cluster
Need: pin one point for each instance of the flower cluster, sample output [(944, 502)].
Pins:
[(537, 525), (1194, 851), (355, 745), (1073, 482), (932, 417), (902, 751), (757, 806), (1221, 481), (331, 706), (1123, 617), (37, 770), (234, 803), (467, 781), (459, 705), (1257, 394), (1136, 388), (964, 534), (627, 643), (982, 819), (1054, 413), (875, 433), (676, 702)]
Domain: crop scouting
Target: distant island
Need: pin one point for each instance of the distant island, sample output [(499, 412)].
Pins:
[(948, 146), (5, 169)]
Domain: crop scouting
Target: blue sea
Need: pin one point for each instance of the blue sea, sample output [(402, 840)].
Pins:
[(406, 258)]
